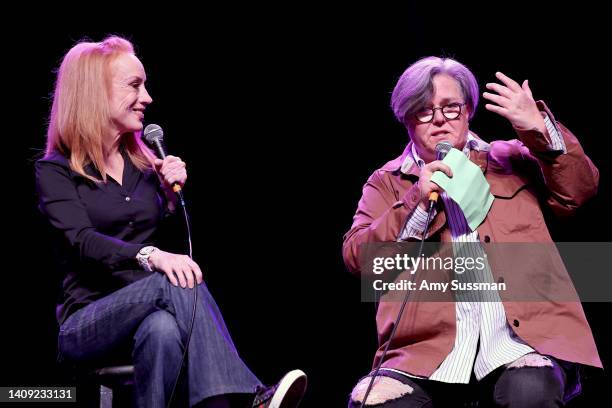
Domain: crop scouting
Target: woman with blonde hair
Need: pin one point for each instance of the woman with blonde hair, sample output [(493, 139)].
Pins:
[(107, 194)]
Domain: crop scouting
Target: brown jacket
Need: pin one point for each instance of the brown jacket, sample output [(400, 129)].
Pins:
[(521, 174)]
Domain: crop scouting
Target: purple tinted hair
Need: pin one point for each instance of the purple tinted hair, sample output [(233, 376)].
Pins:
[(415, 87)]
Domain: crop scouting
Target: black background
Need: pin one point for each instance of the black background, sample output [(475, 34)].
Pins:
[(281, 114)]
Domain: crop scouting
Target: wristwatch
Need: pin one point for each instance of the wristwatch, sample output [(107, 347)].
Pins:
[(143, 257)]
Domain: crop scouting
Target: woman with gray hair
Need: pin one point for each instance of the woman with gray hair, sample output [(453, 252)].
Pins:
[(521, 354), (415, 90)]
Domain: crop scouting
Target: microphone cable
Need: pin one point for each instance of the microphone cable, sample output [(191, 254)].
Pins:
[(442, 149), (400, 313), (153, 136), (181, 200)]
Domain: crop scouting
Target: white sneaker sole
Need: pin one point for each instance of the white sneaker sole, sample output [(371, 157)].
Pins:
[(290, 391)]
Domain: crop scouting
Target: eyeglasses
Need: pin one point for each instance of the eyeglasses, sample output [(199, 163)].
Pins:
[(450, 112)]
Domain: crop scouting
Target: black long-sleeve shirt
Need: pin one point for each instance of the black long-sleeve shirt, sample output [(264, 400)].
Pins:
[(103, 225)]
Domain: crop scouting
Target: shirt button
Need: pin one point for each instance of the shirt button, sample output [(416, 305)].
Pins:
[(127, 198), (131, 223), (487, 238), (515, 323)]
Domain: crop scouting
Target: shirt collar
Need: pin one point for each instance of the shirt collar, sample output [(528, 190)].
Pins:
[(412, 157)]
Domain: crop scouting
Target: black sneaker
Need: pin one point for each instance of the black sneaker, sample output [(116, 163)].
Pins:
[(286, 394)]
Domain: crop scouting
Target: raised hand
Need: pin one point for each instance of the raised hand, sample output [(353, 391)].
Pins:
[(514, 102)]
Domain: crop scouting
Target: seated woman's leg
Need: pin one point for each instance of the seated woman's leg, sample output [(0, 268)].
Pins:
[(390, 390), (214, 366), (102, 327), (158, 348), (531, 385)]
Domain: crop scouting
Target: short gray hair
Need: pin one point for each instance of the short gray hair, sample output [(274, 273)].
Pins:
[(415, 87)]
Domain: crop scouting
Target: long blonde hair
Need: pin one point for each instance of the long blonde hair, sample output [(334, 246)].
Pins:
[(80, 114)]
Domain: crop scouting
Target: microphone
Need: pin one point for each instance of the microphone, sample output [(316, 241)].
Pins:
[(153, 136), (442, 150)]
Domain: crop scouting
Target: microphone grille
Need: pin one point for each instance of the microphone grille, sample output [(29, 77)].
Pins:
[(443, 147), (152, 133)]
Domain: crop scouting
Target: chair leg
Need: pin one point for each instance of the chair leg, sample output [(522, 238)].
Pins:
[(106, 397)]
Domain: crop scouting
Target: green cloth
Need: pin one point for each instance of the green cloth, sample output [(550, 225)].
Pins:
[(468, 187)]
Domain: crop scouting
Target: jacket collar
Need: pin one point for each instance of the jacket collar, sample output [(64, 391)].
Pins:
[(407, 164)]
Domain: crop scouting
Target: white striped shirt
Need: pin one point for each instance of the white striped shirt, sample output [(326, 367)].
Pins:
[(476, 320)]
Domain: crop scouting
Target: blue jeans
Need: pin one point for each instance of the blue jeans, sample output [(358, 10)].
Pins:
[(151, 318)]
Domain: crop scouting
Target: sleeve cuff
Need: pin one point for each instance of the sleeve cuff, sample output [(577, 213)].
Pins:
[(415, 224), (128, 252), (556, 140), (543, 141)]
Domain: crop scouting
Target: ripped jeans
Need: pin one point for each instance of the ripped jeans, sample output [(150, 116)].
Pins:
[(519, 384)]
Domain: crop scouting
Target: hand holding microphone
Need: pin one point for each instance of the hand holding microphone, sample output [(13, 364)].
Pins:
[(429, 189), (171, 169), (172, 172)]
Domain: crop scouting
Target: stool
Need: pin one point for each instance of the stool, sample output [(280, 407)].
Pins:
[(110, 380)]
